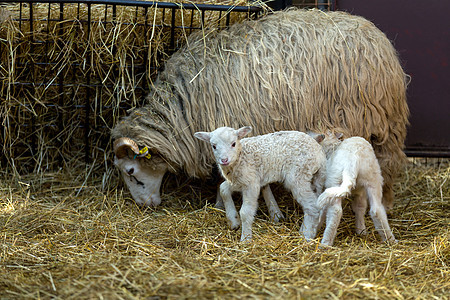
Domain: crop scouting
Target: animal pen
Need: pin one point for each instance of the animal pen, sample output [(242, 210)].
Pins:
[(69, 229)]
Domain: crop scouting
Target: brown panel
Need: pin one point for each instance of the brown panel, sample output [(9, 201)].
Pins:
[(420, 31)]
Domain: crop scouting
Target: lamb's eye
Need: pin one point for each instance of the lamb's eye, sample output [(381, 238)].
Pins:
[(214, 147), (233, 145)]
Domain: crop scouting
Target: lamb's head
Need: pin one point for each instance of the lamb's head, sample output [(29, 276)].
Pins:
[(225, 142), (141, 171), (329, 141)]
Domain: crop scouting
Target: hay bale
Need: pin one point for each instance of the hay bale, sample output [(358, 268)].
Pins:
[(67, 76)]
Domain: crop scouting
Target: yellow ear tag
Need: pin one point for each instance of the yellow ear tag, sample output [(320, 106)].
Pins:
[(143, 151)]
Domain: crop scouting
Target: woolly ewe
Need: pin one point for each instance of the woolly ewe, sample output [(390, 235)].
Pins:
[(247, 164)]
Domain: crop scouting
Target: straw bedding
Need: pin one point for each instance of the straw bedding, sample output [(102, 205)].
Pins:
[(75, 234), (62, 242)]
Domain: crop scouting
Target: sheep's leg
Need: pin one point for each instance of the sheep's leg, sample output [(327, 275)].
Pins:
[(322, 217), (274, 211), (378, 214), (388, 195), (333, 218), (230, 209), (307, 199), (248, 211), (219, 201), (359, 207)]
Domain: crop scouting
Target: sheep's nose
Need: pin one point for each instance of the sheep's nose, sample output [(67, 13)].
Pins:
[(130, 171), (224, 161)]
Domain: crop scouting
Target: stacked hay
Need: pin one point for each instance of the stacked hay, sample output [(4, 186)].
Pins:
[(62, 242), (70, 73)]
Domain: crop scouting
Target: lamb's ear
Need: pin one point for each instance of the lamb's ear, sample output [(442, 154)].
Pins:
[(317, 136), (338, 135), (205, 136), (243, 131)]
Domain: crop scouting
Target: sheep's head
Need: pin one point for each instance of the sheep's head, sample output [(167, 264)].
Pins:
[(225, 142), (141, 172), (329, 141)]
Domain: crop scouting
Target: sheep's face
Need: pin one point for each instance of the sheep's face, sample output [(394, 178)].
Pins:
[(142, 179), (143, 176), (225, 143)]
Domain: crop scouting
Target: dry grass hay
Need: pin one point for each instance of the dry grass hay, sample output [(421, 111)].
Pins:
[(67, 76), (62, 242)]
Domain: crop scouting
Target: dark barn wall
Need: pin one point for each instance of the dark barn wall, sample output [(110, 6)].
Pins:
[(420, 31)]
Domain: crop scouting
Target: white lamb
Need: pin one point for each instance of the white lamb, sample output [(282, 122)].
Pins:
[(247, 164), (352, 168)]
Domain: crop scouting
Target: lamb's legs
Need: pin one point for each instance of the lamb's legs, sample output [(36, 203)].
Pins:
[(333, 217), (248, 211), (307, 199), (274, 211), (230, 209), (378, 214), (359, 207), (219, 201)]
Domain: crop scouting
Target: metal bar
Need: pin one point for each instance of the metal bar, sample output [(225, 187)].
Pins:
[(150, 4), (203, 19), (88, 89), (192, 21), (20, 17), (33, 77), (427, 153), (172, 32), (147, 46), (106, 13), (60, 75)]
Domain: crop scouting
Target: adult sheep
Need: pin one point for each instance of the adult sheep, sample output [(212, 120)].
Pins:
[(291, 70)]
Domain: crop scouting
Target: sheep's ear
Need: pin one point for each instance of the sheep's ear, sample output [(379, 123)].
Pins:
[(318, 137), (338, 135), (243, 131), (205, 136)]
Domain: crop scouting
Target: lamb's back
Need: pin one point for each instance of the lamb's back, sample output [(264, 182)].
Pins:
[(281, 150)]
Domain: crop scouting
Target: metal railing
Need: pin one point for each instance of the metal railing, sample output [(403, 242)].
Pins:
[(70, 69)]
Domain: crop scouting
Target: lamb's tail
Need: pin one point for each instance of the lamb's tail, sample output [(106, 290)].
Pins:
[(331, 194)]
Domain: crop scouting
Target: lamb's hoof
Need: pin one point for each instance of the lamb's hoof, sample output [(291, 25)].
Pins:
[(277, 217), (235, 224), (391, 241), (246, 239), (323, 246), (219, 205), (362, 232)]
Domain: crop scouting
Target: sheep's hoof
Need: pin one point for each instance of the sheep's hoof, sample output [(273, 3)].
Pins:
[(219, 205), (235, 224), (392, 241), (323, 246), (362, 232), (277, 217), (246, 239)]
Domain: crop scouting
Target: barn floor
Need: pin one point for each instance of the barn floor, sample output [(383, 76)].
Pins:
[(64, 237)]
